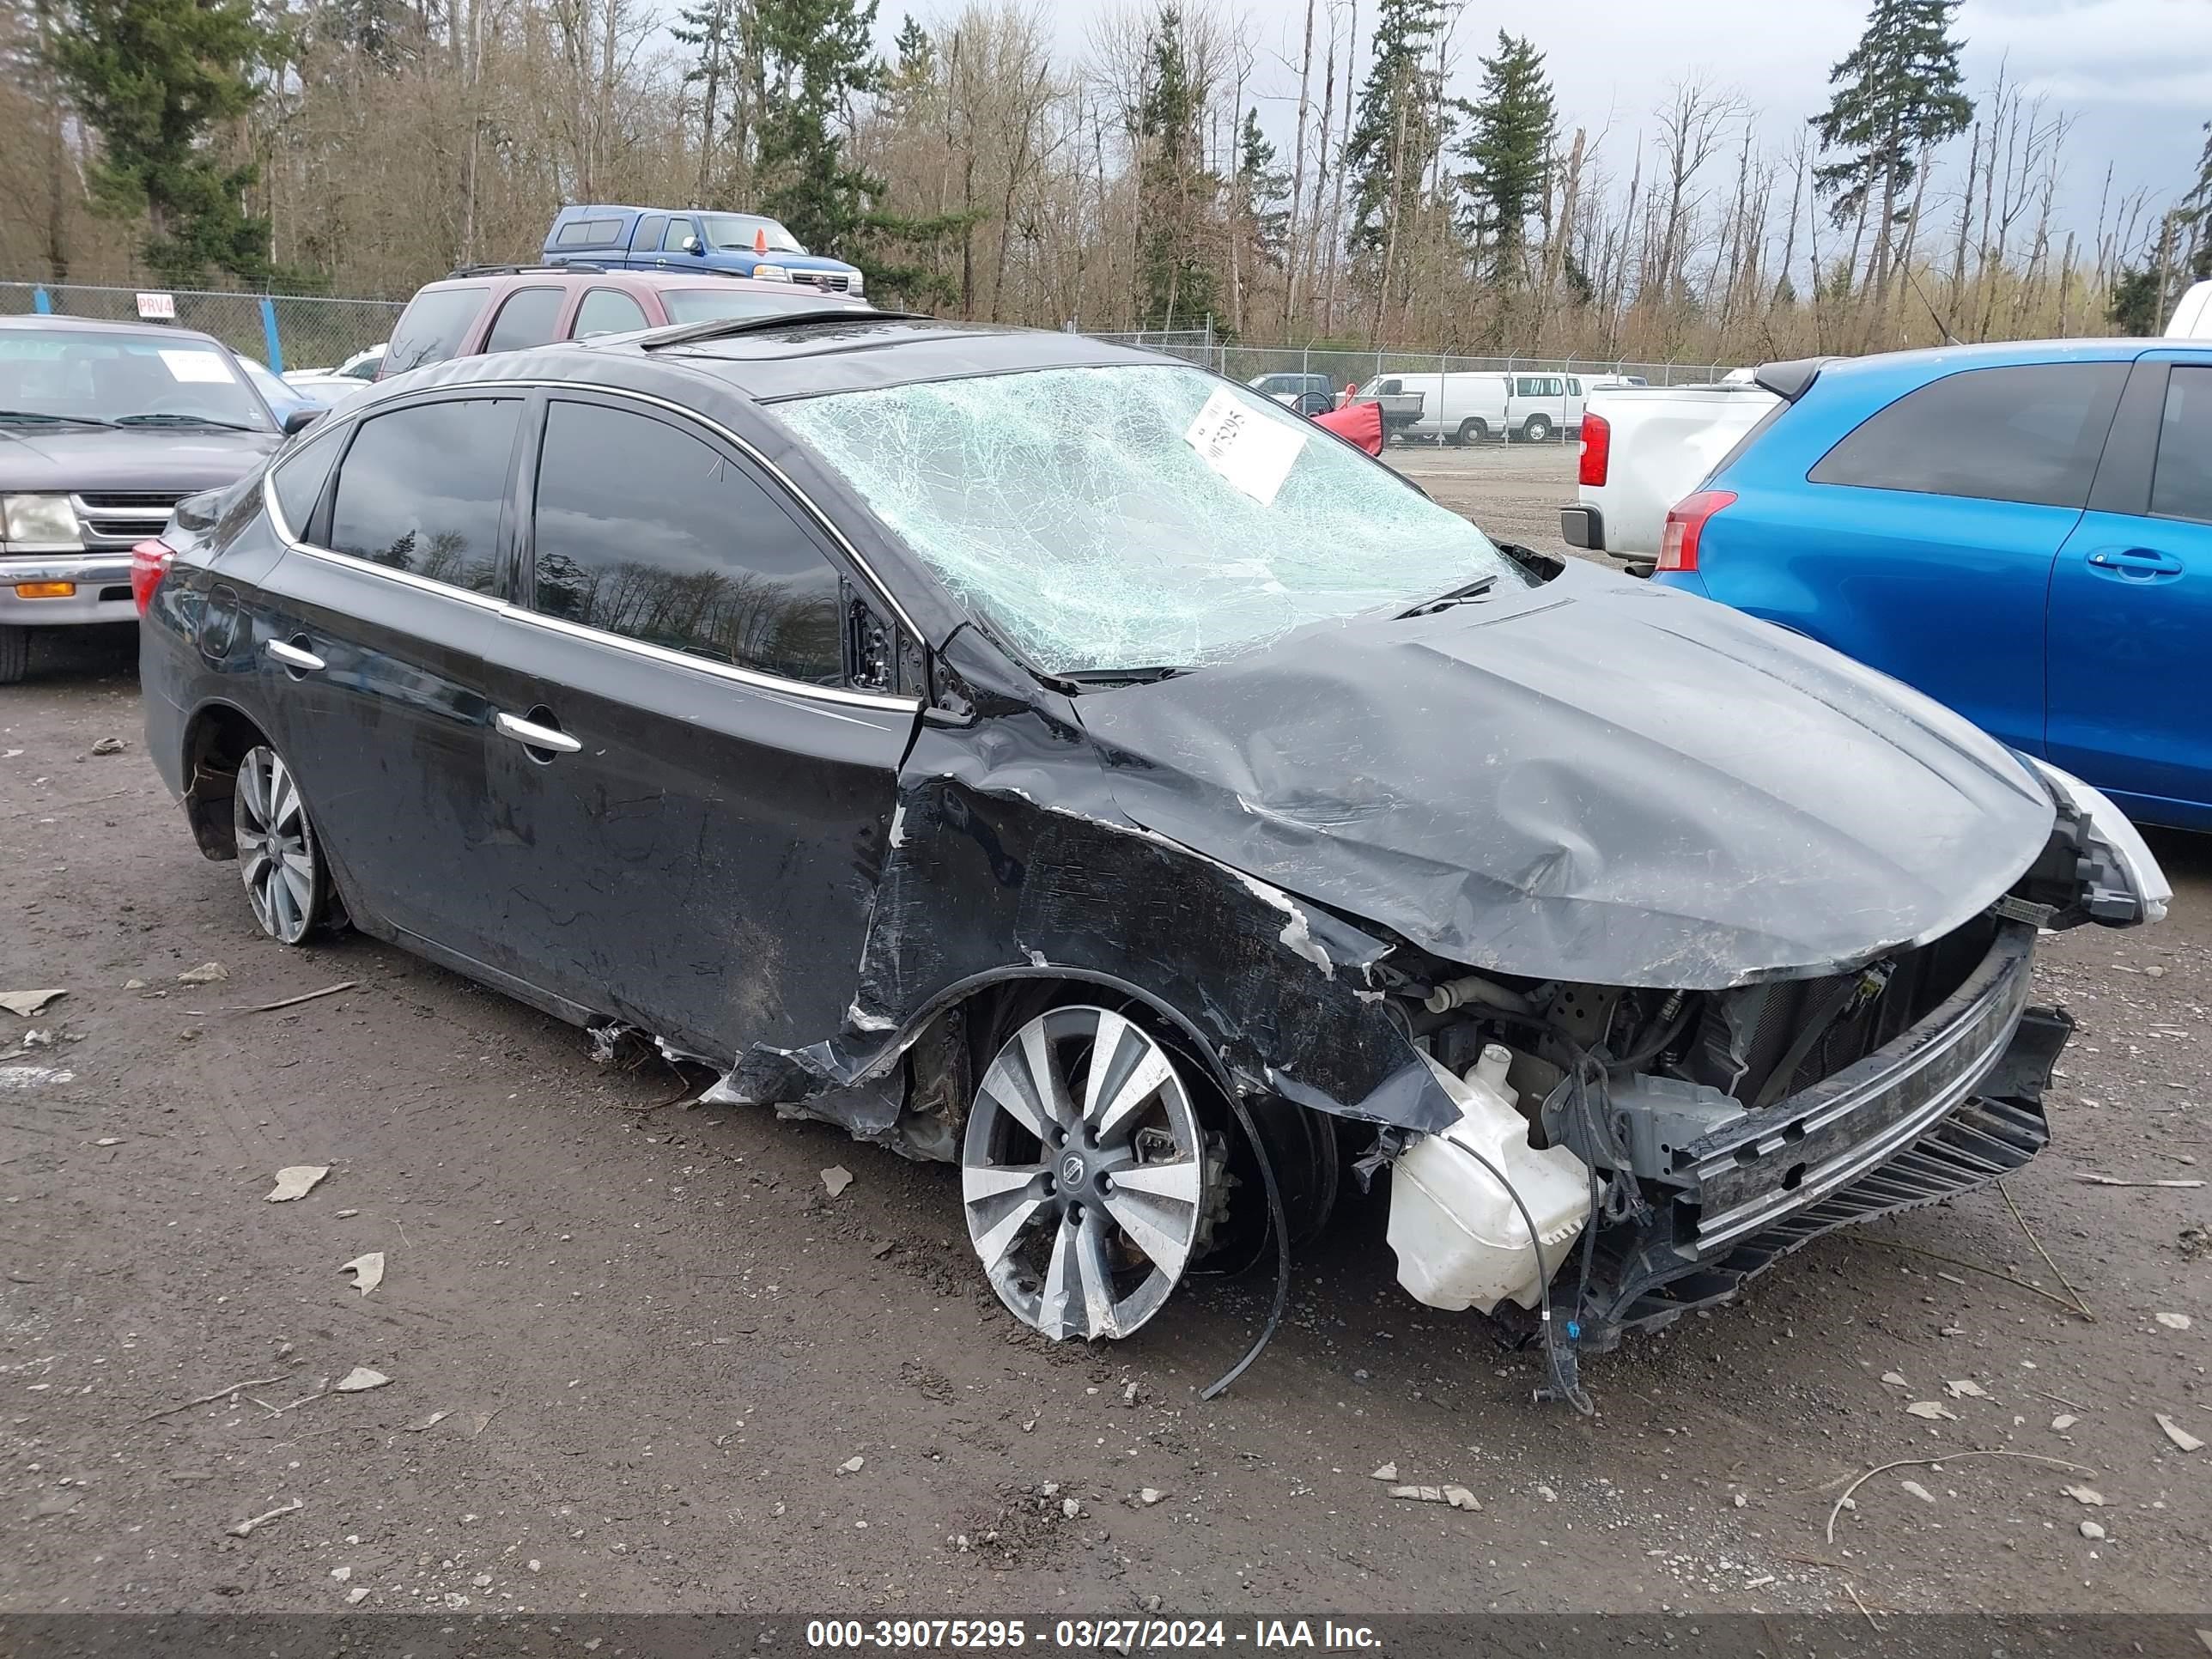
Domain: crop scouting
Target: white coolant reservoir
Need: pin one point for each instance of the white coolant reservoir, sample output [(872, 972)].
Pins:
[(1460, 1238)]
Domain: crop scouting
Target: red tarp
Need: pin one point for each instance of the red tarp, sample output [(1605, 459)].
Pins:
[(1361, 424)]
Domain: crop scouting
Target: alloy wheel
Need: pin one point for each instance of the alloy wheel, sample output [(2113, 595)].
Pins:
[(1084, 1173), (276, 854)]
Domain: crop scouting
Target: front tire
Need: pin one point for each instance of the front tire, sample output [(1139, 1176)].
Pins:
[(15, 653), (1538, 430), (1084, 1174), (279, 858)]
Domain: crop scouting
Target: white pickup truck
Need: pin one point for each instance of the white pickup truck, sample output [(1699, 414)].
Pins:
[(1645, 448)]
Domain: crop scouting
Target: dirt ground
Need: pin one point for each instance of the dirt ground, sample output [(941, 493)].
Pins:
[(640, 1358), (1513, 491)]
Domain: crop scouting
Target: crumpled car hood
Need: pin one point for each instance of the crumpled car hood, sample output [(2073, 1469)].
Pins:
[(1594, 780)]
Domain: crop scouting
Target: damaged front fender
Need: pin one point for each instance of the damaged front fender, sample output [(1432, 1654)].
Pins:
[(1008, 860)]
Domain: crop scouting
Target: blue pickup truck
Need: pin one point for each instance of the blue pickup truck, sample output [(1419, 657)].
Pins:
[(692, 239)]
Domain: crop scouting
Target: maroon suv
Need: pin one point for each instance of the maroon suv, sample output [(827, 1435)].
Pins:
[(486, 308)]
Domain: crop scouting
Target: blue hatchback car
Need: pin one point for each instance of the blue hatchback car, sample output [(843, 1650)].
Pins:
[(2023, 532)]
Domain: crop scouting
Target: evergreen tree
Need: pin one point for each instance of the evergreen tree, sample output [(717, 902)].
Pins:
[(1176, 287), (1509, 145), (1262, 192), (1397, 132), (157, 79), (1897, 96), (711, 29), (917, 52), (2137, 305), (2192, 218), (818, 55)]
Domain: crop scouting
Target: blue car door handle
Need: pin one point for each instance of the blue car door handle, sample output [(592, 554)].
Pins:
[(2134, 563)]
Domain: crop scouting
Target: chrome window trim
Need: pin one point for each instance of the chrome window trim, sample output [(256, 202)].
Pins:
[(750, 678), (753, 678)]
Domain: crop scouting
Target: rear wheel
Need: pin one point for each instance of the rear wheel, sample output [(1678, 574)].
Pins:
[(279, 857), (1472, 431), (1538, 430), (15, 653), (1084, 1174)]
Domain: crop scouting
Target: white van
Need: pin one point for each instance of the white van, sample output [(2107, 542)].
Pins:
[(1474, 406), (2192, 318)]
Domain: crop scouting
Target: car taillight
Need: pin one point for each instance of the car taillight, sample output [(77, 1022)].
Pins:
[(149, 562), (1686, 525), (1597, 450)]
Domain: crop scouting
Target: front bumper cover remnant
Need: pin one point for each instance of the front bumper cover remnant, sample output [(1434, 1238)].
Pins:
[(1949, 1105)]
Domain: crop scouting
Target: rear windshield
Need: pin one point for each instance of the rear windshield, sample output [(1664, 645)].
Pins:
[(588, 233), (432, 327), (722, 303), (1138, 517)]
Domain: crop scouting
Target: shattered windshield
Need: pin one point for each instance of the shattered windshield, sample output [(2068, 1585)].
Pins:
[(1138, 517)]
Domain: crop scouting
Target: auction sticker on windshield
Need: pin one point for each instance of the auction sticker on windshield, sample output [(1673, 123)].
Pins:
[(198, 366), (1253, 452)]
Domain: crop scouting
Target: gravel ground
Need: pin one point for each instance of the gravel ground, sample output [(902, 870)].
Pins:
[(1513, 491), (631, 1347)]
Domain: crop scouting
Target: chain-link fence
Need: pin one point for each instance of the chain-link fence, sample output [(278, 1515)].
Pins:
[(284, 330), (1438, 398)]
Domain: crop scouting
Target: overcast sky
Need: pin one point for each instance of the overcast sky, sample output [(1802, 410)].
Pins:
[(2137, 74)]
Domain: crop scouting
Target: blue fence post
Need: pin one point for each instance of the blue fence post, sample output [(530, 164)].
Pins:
[(42, 302), (269, 335)]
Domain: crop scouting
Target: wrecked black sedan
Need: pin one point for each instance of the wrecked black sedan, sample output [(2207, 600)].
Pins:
[(1049, 757)]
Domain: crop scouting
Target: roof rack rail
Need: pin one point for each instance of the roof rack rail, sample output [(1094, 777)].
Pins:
[(522, 271), (716, 328)]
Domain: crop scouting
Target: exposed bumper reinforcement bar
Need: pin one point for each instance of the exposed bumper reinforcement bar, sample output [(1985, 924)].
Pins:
[(1947, 1106)]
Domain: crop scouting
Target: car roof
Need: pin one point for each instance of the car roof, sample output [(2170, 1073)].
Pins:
[(648, 282), (98, 325), (1931, 360)]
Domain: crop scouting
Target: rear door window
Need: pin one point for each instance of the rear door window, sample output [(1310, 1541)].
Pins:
[(646, 236), (432, 327), (2181, 486), (607, 311), (298, 481), (2030, 434), (422, 490), (644, 530), (528, 317)]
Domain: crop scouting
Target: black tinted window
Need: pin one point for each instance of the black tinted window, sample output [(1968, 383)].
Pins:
[(432, 327), (298, 481), (527, 318), (606, 311), (2182, 486), (2032, 433), (421, 488), (646, 531)]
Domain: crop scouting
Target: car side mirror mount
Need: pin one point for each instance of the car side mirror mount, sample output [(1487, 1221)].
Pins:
[(691, 245), (299, 420)]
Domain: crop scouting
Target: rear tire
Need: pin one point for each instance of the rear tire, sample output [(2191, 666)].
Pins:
[(1471, 431), (15, 653), (279, 857), (1538, 429)]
